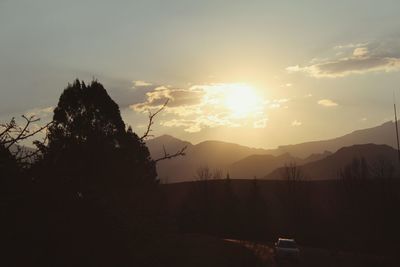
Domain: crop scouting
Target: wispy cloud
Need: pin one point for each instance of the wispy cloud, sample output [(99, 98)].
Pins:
[(140, 83), (327, 103), (40, 112), (354, 59), (278, 103), (350, 45), (260, 123), (296, 123)]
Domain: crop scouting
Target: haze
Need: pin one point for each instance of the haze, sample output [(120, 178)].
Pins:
[(257, 73)]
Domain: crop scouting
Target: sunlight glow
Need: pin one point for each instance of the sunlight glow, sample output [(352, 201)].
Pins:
[(241, 100)]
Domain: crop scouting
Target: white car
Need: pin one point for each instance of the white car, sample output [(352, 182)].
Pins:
[(286, 249)]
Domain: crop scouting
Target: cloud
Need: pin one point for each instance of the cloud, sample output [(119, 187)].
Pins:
[(360, 52), (327, 103), (296, 123), (355, 59), (41, 113), (287, 85), (206, 105), (277, 103), (350, 45), (140, 83), (260, 123), (198, 123), (181, 101)]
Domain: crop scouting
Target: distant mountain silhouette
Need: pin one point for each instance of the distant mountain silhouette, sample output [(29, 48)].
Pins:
[(259, 165), (382, 134), (214, 154), (317, 156), (329, 167), (171, 144), (244, 162)]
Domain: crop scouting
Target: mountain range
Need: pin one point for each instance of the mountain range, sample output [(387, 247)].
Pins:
[(320, 159), (381, 160), (383, 134)]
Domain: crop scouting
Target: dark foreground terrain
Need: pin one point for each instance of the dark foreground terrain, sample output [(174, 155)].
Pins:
[(311, 257), (338, 222)]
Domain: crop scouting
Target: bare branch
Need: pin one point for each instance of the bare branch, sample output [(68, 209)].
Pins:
[(11, 134), (151, 120), (7, 127), (203, 174), (147, 134), (180, 152), (23, 132)]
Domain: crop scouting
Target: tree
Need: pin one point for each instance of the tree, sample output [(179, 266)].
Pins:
[(255, 210), (203, 174), (12, 134), (382, 169), (296, 196), (90, 148), (13, 156), (292, 174), (354, 174), (9, 169)]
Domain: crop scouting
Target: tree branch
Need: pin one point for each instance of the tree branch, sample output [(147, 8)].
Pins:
[(180, 152), (147, 134), (151, 121), (22, 132), (11, 134)]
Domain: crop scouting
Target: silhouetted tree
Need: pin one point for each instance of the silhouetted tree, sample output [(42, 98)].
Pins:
[(12, 134), (96, 184), (382, 169), (229, 209), (295, 199), (14, 157), (203, 174), (354, 175), (255, 213), (293, 175), (9, 168), (89, 146)]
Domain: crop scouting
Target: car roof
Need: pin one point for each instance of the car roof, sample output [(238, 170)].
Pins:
[(286, 239)]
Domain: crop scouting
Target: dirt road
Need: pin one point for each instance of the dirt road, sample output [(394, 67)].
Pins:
[(315, 257)]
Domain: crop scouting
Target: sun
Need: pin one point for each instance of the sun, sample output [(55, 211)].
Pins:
[(241, 100)]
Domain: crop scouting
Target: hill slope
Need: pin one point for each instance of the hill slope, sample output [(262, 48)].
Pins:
[(382, 134), (245, 162), (260, 165), (214, 154), (378, 157)]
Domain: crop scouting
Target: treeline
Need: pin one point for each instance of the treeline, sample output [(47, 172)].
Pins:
[(357, 212), (212, 207)]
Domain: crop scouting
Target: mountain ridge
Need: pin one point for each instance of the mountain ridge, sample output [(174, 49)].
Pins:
[(382, 157), (233, 158)]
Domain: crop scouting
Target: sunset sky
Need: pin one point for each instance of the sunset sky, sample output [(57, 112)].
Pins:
[(257, 73)]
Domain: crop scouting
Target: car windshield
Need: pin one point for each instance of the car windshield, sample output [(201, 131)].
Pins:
[(286, 244)]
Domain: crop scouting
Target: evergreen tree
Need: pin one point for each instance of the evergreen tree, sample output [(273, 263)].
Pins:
[(89, 147)]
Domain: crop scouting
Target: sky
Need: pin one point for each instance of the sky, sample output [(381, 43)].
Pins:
[(257, 73)]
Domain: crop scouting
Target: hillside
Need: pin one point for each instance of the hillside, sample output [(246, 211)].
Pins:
[(378, 158), (245, 162), (260, 165), (214, 154), (382, 134)]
